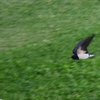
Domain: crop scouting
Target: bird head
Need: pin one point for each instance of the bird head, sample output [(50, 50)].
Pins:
[(75, 57)]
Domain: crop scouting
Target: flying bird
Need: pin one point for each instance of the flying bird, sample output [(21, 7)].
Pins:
[(80, 50)]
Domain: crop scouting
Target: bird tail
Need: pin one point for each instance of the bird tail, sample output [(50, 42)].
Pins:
[(91, 55)]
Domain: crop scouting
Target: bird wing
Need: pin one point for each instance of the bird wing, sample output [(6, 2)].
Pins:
[(80, 51), (86, 42), (81, 47)]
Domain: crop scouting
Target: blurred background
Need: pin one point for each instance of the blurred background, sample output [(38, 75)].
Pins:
[(36, 42)]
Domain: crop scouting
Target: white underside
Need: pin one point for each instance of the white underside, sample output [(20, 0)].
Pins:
[(84, 56)]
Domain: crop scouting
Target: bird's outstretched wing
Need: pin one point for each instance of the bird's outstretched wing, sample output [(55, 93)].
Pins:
[(81, 47)]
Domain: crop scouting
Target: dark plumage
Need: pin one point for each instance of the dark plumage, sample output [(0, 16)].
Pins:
[(80, 50)]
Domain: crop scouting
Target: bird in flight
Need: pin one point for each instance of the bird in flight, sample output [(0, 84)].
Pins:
[(80, 50)]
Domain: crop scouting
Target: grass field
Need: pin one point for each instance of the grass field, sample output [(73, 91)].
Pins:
[(36, 42)]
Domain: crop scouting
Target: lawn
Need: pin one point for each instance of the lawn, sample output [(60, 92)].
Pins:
[(36, 42)]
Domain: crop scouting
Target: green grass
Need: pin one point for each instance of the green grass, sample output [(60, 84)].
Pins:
[(36, 42)]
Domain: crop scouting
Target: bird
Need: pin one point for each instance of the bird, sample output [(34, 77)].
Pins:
[(80, 51)]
